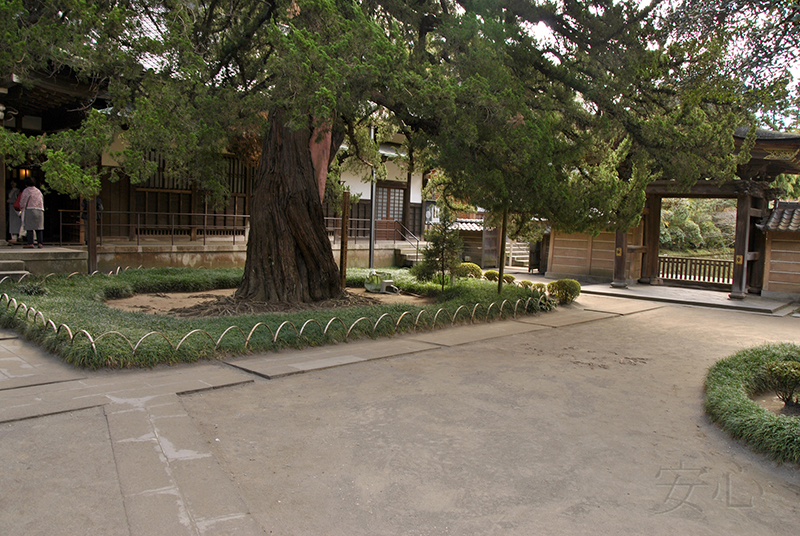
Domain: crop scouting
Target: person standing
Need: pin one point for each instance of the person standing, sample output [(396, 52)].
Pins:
[(14, 220), (31, 202)]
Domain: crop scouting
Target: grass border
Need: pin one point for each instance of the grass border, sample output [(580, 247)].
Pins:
[(73, 321), (729, 386)]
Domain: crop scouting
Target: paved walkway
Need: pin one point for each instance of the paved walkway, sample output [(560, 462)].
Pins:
[(586, 420), (678, 295)]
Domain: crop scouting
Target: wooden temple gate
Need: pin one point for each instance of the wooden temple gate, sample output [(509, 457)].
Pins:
[(773, 154)]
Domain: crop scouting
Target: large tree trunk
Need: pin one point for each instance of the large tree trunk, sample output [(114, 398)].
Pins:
[(289, 256)]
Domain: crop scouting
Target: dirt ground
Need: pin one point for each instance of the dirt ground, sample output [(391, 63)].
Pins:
[(166, 302), (592, 428)]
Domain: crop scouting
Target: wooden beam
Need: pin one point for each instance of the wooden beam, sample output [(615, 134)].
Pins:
[(713, 189), (63, 86), (670, 188)]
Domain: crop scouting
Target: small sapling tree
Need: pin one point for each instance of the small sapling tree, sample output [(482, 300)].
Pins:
[(442, 256)]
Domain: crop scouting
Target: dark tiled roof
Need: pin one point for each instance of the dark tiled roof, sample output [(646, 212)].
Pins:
[(469, 225), (762, 134), (784, 217)]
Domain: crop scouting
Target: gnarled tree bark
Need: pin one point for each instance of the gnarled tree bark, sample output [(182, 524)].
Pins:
[(289, 256)]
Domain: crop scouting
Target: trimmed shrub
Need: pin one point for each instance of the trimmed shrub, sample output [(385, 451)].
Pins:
[(508, 278), (468, 269), (541, 288), (564, 291), (524, 283), (491, 275), (729, 385), (33, 288), (784, 376), (424, 271), (116, 291)]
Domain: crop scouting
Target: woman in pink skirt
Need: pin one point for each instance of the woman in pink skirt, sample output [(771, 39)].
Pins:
[(31, 204)]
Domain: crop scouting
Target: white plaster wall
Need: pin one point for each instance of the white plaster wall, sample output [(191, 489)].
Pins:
[(394, 172)]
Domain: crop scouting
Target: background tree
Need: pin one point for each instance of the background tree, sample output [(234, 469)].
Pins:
[(688, 225)]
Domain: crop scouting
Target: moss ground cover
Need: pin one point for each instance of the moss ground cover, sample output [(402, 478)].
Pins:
[(729, 386), (107, 337)]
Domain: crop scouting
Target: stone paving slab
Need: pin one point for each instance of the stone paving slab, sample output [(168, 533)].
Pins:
[(23, 364), (617, 306), (689, 296), (169, 479), (466, 334), (565, 317), (276, 365), (106, 387), (58, 476)]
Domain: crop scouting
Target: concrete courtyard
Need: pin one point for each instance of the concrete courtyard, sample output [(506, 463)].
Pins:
[(586, 420)]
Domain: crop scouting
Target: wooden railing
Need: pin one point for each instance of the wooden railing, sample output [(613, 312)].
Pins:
[(359, 230), (166, 225), (696, 269), (518, 253)]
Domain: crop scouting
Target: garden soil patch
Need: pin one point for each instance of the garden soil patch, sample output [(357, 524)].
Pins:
[(217, 302)]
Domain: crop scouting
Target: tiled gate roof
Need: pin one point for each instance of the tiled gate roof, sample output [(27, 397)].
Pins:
[(784, 217)]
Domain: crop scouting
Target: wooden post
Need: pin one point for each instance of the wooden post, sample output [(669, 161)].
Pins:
[(4, 208), (407, 203), (502, 268), (91, 230), (131, 211), (620, 259), (343, 243), (192, 219), (758, 248), (372, 209), (739, 287), (652, 231)]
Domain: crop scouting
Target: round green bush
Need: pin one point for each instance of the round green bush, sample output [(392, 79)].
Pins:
[(729, 386), (469, 269), (491, 275), (524, 283), (541, 288), (564, 291), (508, 278)]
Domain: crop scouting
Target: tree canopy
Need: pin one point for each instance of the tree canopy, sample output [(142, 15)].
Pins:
[(562, 110)]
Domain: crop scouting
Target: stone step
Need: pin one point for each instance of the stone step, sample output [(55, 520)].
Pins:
[(12, 265), (13, 274)]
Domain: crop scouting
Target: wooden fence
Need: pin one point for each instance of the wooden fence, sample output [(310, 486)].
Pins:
[(696, 270)]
